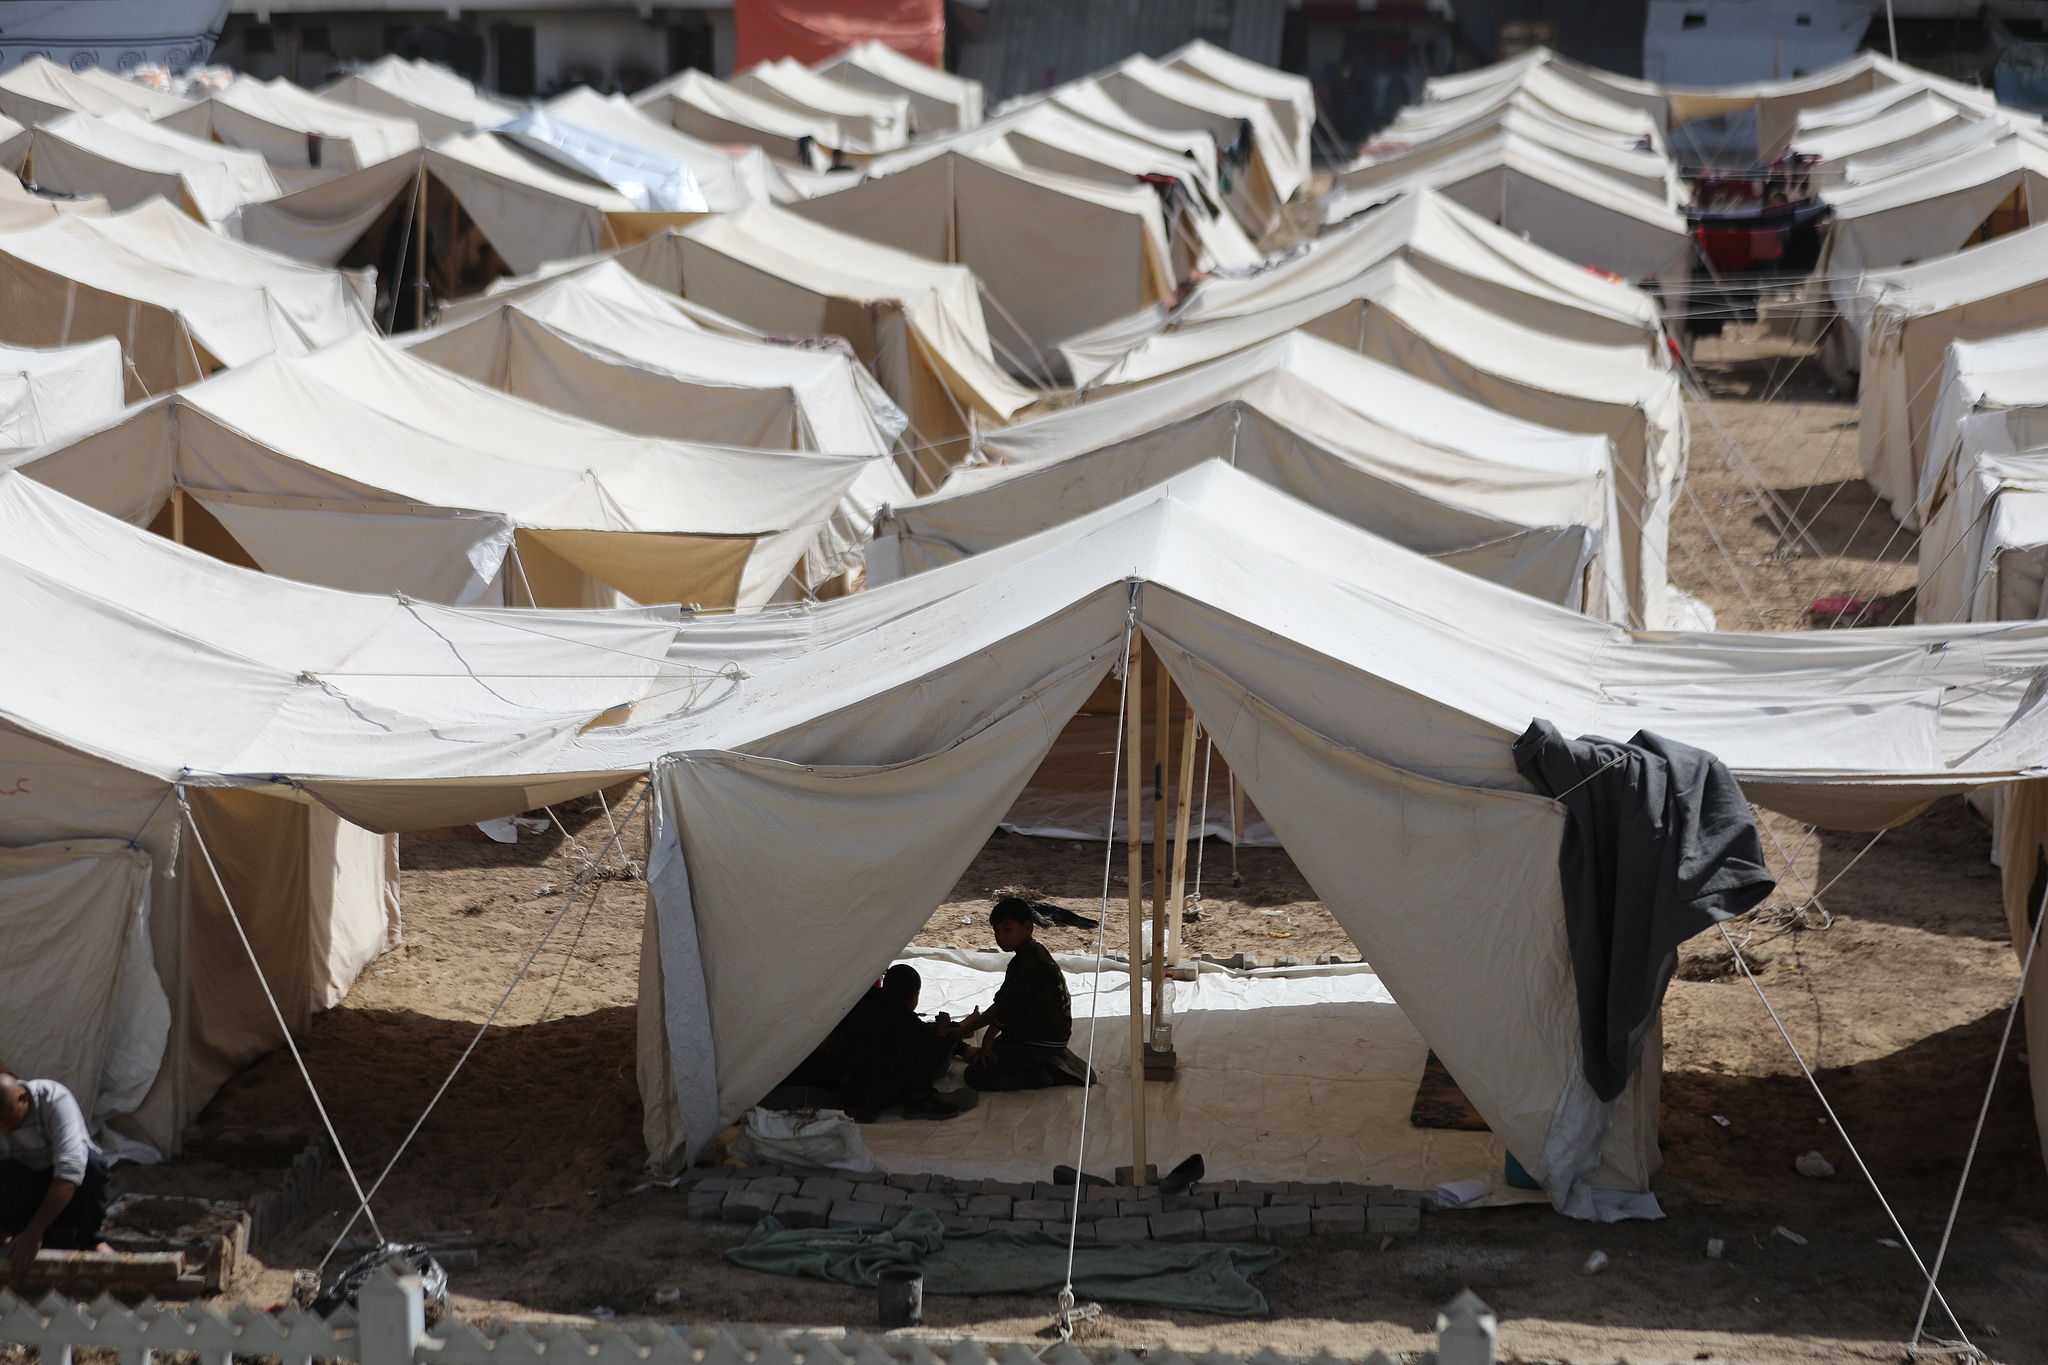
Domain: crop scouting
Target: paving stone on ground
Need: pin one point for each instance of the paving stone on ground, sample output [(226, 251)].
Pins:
[(748, 1206), (1231, 1223), (846, 1211), (1340, 1220), (990, 1206), (1184, 1226), (798, 1212), (773, 1184), (1040, 1210), (826, 1189), (1288, 1223)]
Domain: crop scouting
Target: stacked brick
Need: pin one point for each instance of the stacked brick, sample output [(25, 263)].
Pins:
[(1213, 1211)]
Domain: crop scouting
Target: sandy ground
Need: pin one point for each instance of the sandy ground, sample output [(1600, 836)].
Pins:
[(1897, 1004)]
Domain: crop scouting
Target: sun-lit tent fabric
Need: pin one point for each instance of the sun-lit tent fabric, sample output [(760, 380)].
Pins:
[(1645, 172), (1648, 96), (156, 665), (127, 161), (1368, 700), (1440, 474), (1862, 110), (1984, 554), (15, 141), (433, 97), (867, 122), (1906, 319), (1395, 314), (1450, 244), (655, 183), (722, 178), (46, 395), (363, 467), (39, 90), (713, 111), (1898, 130), (1961, 141), (183, 301), (917, 323), (533, 212), (1544, 95), (1058, 254), (603, 345), (321, 222), (21, 208), (1562, 205), (1292, 98), (1982, 381), (306, 139), (941, 101), (1778, 104)]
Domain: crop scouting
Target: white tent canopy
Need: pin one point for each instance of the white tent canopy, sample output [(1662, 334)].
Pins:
[(1558, 203), (601, 344), (46, 395), (941, 101), (1440, 474), (1906, 319), (722, 177), (1395, 153), (1059, 255), (306, 139), (22, 208), (1544, 95), (1396, 315), (182, 300), (1984, 556), (39, 90), (1982, 381), (868, 122), (364, 468), (1900, 129), (437, 100), (127, 160), (158, 665), (1291, 98), (713, 111), (1366, 698)]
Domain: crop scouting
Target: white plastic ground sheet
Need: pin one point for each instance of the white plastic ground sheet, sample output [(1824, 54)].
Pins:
[(1303, 1077)]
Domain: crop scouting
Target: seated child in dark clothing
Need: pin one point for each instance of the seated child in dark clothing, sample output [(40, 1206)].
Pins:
[(882, 1053), (1031, 1018)]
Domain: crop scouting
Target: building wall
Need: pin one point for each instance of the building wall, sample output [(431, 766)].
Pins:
[(1026, 45), (606, 46)]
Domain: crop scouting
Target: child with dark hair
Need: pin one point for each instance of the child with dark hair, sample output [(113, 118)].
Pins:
[(1031, 1018)]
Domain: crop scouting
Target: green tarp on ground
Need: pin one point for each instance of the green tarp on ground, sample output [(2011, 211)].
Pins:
[(1207, 1277)]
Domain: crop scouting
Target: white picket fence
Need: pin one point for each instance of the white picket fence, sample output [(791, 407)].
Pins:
[(390, 1329)]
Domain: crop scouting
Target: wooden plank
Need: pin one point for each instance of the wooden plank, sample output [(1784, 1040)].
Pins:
[(1134, 840)]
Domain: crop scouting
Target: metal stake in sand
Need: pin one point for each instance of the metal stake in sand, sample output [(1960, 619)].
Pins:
[(1134, 839)]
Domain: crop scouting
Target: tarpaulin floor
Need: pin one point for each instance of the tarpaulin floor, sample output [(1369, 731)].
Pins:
[(1307, 1075)]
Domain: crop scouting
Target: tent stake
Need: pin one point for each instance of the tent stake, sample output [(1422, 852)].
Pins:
[(1134, 838)]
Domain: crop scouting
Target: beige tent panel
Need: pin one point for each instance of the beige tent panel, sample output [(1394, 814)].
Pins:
[(654, 567), (320, 223)]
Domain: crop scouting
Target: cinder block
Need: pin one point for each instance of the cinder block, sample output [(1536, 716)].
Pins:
[(706, 1205), (1262, 1186), (1231, 1223), (1406, 1199), (936, 1200), (798, 1212), (911, 1184), (773, 1184), (1185, 1226), (1213, 1187), (825, 1188), (1240, 1199), (1084, 1232), (748, 1206), (1393, 1218), (1342, 1220), (960, 1222), (990, 1206), (1040, 1210), (1116, 1192), (1181, 1203), (1045, 1189), (1011, 1188), (1353, 1187), (1288, 1223), (1314, 1187), (756, 1172), (868, 1177), (1097, 1208), (885, 1195), (720, 1184), (845, 1211), (1341, 1201), (1123, 1175), (1139, 1208), (1291, 1201), (1123, 1229)]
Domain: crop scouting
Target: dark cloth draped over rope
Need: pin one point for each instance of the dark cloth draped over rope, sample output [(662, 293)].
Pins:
[(1660, 844)]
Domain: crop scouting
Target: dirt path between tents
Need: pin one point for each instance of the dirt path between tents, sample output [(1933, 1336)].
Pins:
[(1897, 1004)]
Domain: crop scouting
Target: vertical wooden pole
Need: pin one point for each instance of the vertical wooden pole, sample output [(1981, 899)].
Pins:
[(1236, 823), (177, 515), (1162, 748), (1180, 835), (419, 255), (1134, 839)]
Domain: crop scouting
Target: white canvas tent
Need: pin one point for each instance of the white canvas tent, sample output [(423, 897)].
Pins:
[(364, 468), (321, 222), (22, 208), (1445, 476), (725, 180), (1992, 394), (14, 146), (1559, 204), (941, 101), (600, 344), (1058, 255), (1898, 130), (126, 161), (46, 395), (306, 139), (183, 301), (713, 111), (156, 667), (1778, 104), (1291, 98), (39, 90), (1544, 95), (1397, 152), (1906, 319), (1395, 314), (1984, 556), (437, 100), (1367, 699), (868, 122)]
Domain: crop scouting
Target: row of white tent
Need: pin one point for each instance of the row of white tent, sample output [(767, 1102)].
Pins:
[(1416, 481)]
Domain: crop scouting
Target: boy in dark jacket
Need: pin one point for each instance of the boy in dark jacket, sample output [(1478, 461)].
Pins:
[(1031, 1018)]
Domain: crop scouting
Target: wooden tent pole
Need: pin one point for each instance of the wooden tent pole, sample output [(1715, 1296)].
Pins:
[(1188, 731), (1162, 747), (1134, 839), (419, 255), (177, 515)]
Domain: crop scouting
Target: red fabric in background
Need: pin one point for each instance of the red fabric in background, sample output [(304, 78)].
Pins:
[(812, 30)]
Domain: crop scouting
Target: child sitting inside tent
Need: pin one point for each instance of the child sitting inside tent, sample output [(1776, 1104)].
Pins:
[(1031, 1017), (883, 1054)]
